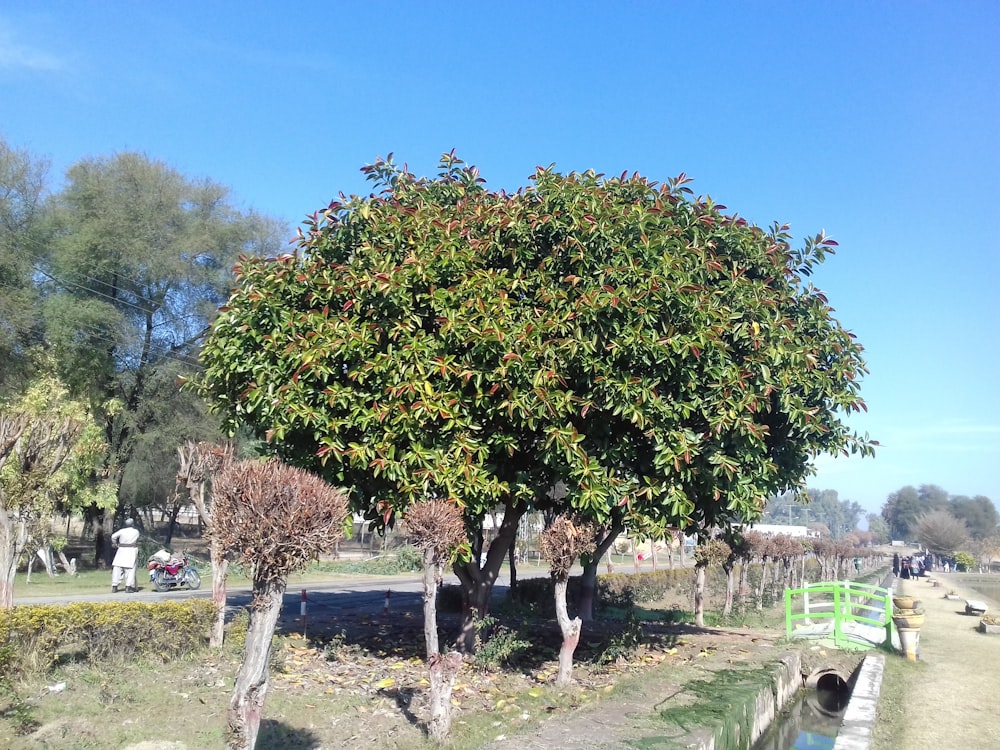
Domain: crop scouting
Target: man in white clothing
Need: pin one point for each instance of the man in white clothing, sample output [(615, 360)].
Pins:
[(127, 541)]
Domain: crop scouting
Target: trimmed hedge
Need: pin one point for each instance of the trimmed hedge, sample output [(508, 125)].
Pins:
[(619, 590), (39, 636)]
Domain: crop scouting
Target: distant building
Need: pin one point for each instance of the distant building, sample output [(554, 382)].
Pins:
[(774, 529)]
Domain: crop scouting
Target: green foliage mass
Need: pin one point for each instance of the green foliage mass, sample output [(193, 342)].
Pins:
[(56, 455), (636, 343), (109, 633)]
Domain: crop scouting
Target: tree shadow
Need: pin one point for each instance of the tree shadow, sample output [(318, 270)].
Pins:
[(404, 702), (276, 734)]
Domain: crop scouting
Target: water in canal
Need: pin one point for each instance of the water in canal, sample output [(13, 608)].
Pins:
[(809, 722)]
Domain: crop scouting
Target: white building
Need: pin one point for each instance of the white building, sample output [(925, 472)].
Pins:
[(773, 529)]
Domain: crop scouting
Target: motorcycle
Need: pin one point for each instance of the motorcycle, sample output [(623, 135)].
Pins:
[(168, 572)]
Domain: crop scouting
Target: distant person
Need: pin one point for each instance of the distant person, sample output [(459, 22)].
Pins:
[(126, 539), (914, 568), (904, 571), (895, 564)]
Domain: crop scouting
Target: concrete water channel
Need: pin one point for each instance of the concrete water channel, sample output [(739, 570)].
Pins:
[(828, 709)]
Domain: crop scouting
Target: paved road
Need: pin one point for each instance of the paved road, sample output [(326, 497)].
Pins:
[(344, 594)]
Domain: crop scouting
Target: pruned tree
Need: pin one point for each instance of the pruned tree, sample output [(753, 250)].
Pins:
[(748, 549), (436, 527), (709, 552), (940, 532), (764, 553), (562, 544), (739, 550), (49, 445), (786, 549), (275, 518), (198, 463)]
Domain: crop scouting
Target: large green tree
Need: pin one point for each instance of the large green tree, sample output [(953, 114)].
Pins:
[(140, 258), (979, 514), (22, 189), (439, 339), (49, 446)]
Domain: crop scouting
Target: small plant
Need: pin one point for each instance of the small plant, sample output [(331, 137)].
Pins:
[(17, 710), (624, 643), (236, 635), (965, 561), (495, 644)]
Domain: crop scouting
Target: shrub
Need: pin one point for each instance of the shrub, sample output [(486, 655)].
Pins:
[(624, 643), (965, 561), (113, 633), (495, 644)]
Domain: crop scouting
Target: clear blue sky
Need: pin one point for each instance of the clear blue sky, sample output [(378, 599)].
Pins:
[(874, 121)]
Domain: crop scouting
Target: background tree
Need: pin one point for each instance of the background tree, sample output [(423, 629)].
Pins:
[(562, 544), (878, 528), (22, 190), (979, 514), (939, 532), (138, 261), (276, 519), (49, 445), (900, 512), (633, 342), (436, 527)]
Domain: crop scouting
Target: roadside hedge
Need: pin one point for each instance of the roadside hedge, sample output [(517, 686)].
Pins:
[(37, 637), (618, 590)]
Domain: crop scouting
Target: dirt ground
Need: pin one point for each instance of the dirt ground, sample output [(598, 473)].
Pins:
[(359, 681), (950, 696)]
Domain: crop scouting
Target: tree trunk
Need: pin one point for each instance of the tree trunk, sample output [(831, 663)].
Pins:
[(761, 585), (220, 571), (570, 633), (247, 704), (742, 585), (512, 564), (588, 582), (699, 595), (477, 581), (729, 567), (443, 671), (13, 539), (431, 577), (635, 557), (45, 555), (172, 525), (68, 565), (442, 668), (106, 552)]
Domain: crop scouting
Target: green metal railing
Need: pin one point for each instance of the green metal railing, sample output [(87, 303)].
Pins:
[(841, 602)]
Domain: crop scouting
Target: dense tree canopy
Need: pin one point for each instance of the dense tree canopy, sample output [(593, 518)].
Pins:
[(138, 259), (22, 187), (636, 343), (903, 507), (49, 445)]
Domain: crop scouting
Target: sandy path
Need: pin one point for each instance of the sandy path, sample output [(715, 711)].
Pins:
[(955, 702)]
